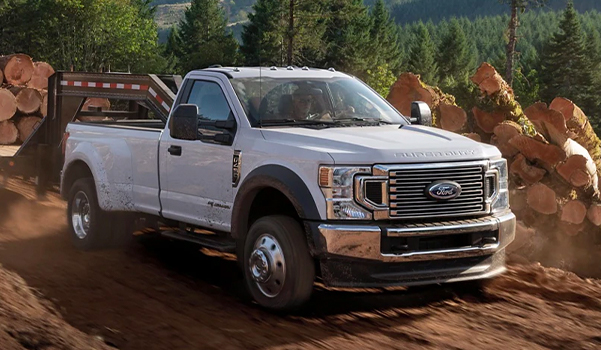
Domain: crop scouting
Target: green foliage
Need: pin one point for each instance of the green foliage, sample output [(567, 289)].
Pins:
[(386, 49), (566, 68), (422, 53), (456, 57), (380, 79), (203, 39), (88, 35)]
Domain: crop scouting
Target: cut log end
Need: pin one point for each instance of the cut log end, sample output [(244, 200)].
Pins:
[(26, 126), (550, 123), (487, 121), (548, 155), (528, 174), (41, 72), (574, 171), (94, 102), (8, 133), (594, 214), (542, 199), (28, 100), (473, 136), (505, 132), (452, 118), (18, 69), (573, 212), (406, 89), (8, 104)]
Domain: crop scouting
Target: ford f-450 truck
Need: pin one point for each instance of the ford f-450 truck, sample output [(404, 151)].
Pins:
[(305, 174)]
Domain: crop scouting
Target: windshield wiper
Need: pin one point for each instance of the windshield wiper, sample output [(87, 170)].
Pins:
[(275, 122), (359, 119)]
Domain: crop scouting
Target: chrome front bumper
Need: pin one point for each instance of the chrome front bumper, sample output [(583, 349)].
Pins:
[(364, 242)]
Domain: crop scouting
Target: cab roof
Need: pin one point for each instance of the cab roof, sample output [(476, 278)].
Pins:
[(275, 72)]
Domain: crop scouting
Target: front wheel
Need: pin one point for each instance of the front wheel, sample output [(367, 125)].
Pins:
[(278, 268)]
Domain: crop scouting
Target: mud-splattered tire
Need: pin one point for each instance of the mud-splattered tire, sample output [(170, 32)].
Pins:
[(278, 268), (92, 228)]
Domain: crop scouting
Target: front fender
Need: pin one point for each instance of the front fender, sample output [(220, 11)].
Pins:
[(280, 178)]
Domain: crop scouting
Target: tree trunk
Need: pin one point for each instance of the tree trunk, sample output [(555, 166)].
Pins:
[(41, 72), (8, 104), (291, 33), (580, 127), (510, 52), (28, 100), (542, 199), (548, 156), (550, 123), (26, 126), (18, 69), (574, 171), (8, 133)]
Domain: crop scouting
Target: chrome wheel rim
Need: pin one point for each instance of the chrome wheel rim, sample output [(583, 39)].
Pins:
[(80, 215), (267, 265)]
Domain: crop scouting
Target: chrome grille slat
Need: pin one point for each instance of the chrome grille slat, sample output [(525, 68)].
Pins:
[(408, 197)]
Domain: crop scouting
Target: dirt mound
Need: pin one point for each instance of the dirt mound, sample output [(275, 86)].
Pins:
[(27, 322)]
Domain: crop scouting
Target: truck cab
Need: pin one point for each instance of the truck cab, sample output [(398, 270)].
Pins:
[(305, 174)]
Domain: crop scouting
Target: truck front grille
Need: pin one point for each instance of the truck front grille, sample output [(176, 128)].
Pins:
[(408, 191)]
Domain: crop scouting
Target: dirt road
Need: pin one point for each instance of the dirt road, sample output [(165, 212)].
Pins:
[(155, 294)]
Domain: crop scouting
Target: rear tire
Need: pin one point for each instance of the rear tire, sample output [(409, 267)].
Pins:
[(278, 268), (92, 228)]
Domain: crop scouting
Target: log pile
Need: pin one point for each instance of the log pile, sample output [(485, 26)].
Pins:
[(23, 96), (553, 153)]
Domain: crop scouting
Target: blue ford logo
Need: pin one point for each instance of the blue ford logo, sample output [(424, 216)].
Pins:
[(443, 190)]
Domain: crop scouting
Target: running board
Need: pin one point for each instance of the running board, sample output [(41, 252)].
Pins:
[(222, 244)]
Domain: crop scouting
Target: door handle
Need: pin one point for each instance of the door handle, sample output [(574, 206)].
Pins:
[(175, 150)]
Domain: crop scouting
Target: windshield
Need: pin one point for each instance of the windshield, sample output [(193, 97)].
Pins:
[(332, 101)]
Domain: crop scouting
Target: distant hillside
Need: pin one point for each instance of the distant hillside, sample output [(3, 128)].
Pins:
[(169, 12)]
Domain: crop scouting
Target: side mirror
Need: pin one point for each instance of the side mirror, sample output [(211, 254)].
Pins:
[(420, 113), (183, 124)]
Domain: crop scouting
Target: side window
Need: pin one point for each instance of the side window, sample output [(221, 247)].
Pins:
[(210, 100)]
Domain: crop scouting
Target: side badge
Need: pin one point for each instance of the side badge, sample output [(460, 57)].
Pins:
[(236, 169)]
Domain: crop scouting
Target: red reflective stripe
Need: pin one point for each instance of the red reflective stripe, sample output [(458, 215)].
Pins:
[(70, 83), (128, 86), (159, 99), (144, 87)]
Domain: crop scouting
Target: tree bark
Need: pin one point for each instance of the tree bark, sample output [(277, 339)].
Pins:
[(8, 104), (18, 69), (513, 39)]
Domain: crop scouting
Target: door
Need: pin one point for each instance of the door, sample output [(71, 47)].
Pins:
[(195, 176)]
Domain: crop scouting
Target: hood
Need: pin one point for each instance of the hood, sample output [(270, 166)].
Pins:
[(383, 144)]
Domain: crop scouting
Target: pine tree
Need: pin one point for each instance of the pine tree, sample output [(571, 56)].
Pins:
[(203, 37), (566, 69), (347, 37), (263, 37), (456, 58), (384, 38), (270, 36), (422, 56)]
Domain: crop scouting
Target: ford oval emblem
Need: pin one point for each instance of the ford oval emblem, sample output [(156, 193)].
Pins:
[(443, 190)]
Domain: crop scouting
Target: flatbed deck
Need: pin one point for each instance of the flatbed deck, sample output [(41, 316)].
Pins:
[(9, 150)]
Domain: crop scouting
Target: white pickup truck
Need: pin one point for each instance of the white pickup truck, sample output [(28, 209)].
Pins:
[(305, 174)]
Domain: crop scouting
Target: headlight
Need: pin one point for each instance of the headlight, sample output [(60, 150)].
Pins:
[(500, 197), (336, 183)]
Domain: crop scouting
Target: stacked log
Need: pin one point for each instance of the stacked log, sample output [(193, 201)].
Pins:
[(23, 96), (554, 155), (445, 112)]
